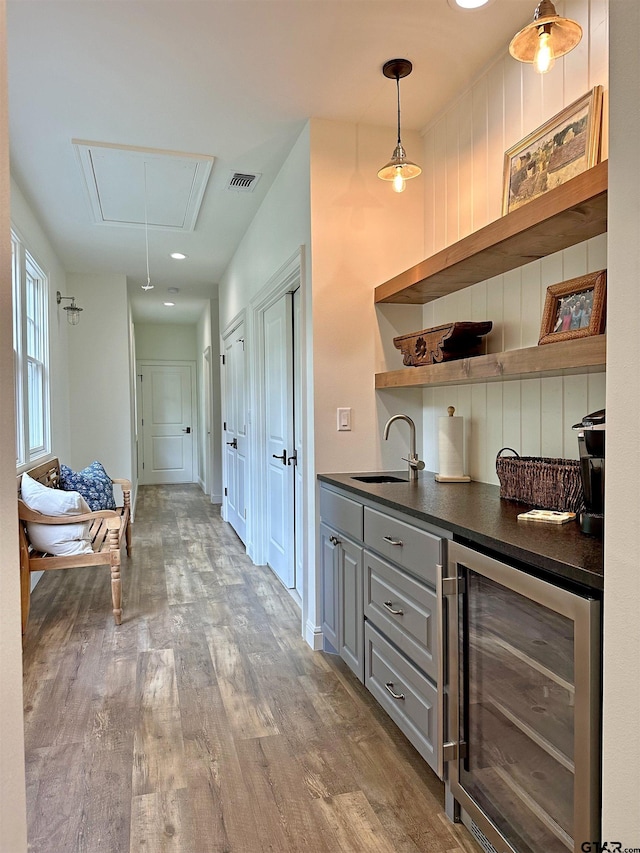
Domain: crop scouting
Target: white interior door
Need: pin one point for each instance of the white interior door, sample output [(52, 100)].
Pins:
[(278, 385), (235, 431), (297, 440), (167, 423)]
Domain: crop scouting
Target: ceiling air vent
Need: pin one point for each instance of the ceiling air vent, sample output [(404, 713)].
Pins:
[(242, 182)]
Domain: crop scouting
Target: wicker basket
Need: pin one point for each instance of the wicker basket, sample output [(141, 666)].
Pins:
[(540, 482)]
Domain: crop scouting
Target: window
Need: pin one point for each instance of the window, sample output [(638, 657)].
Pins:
[(31, 354)]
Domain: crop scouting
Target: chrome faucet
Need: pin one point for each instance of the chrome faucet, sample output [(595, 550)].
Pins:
[(415, 464)]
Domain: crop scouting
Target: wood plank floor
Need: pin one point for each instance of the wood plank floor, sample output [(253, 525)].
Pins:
[(204, 723)]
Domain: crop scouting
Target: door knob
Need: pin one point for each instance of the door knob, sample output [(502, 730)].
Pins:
[(283, 457), (187, 430), (233, 443), (293, 459)]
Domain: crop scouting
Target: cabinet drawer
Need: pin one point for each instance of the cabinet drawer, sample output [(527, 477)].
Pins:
[(341, 513), (404, 609), (410, 699), (410, 547)]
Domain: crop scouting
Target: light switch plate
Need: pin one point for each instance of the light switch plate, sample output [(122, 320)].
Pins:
[(344, 420)]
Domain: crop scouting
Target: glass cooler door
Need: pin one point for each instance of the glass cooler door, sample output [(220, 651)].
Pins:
[(525, 723)]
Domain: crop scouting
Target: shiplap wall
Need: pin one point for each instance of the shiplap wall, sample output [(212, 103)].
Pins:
[(463, 160)]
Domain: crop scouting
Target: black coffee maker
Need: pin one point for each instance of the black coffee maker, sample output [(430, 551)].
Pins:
[(591, 441)]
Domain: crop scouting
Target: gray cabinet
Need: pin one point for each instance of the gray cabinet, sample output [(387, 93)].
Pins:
[(382, 612), (406, 694), (351, 634), (330, 585), (341, 564), (405, 610)]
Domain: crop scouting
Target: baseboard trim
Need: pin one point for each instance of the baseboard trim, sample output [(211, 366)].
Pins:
[(216, 499), (313, 636)]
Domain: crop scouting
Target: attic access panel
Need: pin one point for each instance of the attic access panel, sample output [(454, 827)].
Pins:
[(114, 179)]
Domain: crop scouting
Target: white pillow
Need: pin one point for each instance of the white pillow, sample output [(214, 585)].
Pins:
[(56, 539)]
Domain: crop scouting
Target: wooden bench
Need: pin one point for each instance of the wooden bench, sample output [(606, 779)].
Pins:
[(109, 528)]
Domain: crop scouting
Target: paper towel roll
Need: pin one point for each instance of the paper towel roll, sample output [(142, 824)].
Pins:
[(451, 448)]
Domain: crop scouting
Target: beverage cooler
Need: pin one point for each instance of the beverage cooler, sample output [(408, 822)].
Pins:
[(523, 740)]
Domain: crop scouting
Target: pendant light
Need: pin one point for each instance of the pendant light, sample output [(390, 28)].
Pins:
[(398, 169), (545, 38), (148, 285)]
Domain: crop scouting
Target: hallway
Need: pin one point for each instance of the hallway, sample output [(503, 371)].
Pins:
[(204, 723)]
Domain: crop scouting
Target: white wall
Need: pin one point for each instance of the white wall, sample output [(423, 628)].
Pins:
[(279, 228), (363, 233), (35, 239), (207, 336), (463, 159), (621, 694), (166, 342), (13, 820), (99, 375), (133, 419)]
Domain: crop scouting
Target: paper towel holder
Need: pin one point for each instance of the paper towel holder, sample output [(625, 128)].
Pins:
[(444, 478)]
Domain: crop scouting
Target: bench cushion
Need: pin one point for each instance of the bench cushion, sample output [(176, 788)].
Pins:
[(57, 539), (93, 483)]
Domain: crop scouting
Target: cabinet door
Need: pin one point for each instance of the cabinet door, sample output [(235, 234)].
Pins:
[(330, 586), (351, 606)]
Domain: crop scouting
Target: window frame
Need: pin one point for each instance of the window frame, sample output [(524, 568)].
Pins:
[(30, 291)]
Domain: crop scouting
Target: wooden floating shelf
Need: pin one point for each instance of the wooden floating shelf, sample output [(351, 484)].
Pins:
[(562, 217), (583, 355)]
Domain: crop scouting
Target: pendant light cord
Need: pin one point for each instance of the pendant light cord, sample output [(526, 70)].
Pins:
[(398, 90), (146, 227)]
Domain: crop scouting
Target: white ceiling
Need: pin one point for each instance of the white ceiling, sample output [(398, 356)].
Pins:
[(232, 79)]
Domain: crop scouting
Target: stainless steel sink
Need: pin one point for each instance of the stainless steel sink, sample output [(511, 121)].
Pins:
[(380, 478)]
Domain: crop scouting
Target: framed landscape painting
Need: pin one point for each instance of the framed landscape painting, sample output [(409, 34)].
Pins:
[(560, 149)]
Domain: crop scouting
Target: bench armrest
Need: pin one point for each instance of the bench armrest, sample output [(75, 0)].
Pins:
[(126, 484), (27, 514)]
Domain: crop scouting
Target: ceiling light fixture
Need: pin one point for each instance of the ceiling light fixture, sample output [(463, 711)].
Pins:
[(398, 169), (148, 285), (545, 38), (469, 4), (177, 256), (73, 310), (169, 304)]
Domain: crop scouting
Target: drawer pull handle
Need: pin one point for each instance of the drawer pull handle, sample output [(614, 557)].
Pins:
[(389, 686), (389, 606), (393, 541)]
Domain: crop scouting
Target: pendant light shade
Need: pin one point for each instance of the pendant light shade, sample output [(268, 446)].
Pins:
[(547, 37), (398, 170)]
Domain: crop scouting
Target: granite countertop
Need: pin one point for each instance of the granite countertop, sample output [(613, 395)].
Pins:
[(475, 514)]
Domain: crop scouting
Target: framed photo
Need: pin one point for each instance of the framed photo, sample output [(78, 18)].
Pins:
[(575, 308), (560, 149)]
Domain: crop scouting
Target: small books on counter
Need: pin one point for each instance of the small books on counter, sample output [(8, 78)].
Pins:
[(548, 516)]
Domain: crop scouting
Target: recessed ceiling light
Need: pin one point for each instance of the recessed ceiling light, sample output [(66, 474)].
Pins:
[(469, 4), (177, 256), (169, 304)]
